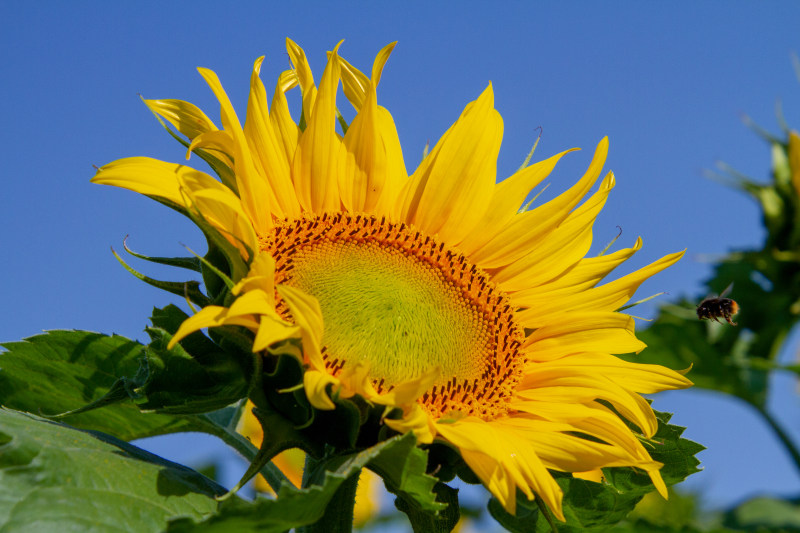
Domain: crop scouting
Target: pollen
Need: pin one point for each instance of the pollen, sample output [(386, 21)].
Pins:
[(403, 302)]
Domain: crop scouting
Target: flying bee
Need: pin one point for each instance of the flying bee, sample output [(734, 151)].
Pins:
[(719, 306)]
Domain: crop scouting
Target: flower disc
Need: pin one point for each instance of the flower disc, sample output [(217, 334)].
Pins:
[(403, 303)]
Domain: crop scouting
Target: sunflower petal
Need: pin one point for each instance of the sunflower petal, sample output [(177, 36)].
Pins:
[(507, 198), (146, 176), (451, 190), (315, 383), (210, 317), (494, 453), (585, 275), (528, 229), (218, 140), (577, 332), (371, 162), (257, 198), (304, 76), (187, 118), (562, 249), (550, 383), (261, 276), (316, 162), (307, 316), (268, 153), (417, 421), (286, 131), (607, 297)]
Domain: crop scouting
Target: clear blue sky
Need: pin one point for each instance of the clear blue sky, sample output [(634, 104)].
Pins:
[(667, 82)]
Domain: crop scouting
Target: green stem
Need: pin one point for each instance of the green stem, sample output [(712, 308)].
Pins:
[(338, 516), (271, 473), (782, 435)]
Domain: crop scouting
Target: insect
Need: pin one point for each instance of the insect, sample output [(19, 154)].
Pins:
[(715, 307)]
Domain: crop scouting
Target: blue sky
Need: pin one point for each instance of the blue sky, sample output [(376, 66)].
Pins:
[(666, 82)]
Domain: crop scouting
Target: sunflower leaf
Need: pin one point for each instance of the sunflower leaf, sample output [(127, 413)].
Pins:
[(764, 514), (64, 370), (427, 522), (175, 381), (47, 486), (293, 507), (429, 505)]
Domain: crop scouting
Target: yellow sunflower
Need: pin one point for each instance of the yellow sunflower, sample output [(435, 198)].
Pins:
[(433, 293)]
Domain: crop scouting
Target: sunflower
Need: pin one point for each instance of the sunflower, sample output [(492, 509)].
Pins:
[(434, 294)]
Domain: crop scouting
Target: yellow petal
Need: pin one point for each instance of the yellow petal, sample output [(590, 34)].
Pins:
[(187, 118), (307, 315), (272, 330), (407, 392), (210, 317), (416, 421), (371, 160), (607, 297), (261, 276), (315, 384), (451, 190), (577, 332), (220, 142), (528, 229), (641, 378), (257, 199), (220, 207), (356, 84), (494, 453), (585, 275), (561, 446), (507, 198), (286, 131), (550, 383), (304, 76), (561, 250), (147, 176), (268, 152), (316, 162)]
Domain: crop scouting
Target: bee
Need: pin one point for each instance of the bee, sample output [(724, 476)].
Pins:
[(719, 306)]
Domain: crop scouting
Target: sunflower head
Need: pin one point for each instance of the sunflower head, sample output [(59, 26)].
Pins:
[(437, 303)]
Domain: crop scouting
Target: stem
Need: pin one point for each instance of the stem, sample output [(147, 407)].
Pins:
[(338, 516), (271, 473), (782, 436)]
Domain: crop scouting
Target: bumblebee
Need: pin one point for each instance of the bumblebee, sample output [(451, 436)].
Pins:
[(718, 307)]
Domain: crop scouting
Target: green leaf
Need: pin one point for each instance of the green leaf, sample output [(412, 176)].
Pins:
[(64, 370), (175, 381), (56, 478), (427, 522), (294, 507), (764, 514), (404, 475), (590, 506)]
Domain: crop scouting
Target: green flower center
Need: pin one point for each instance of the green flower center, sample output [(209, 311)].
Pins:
[(396, 312), (403, 303)]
